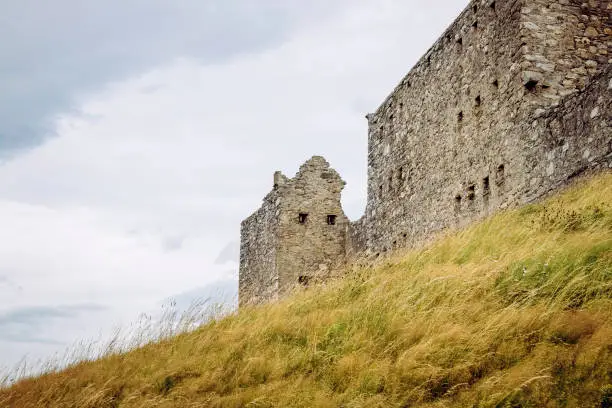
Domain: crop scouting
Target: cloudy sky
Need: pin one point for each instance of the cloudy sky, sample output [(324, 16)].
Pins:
[(135, 135)]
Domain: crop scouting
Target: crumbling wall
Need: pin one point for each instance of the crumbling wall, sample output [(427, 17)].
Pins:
[(312, 225), (298, 236)]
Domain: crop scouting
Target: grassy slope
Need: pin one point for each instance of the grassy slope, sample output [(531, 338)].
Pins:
[(513, 312)]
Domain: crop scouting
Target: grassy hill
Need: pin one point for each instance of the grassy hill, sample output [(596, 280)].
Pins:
[(515, 311)]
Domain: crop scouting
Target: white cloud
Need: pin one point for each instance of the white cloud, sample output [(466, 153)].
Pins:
[(149, 180)]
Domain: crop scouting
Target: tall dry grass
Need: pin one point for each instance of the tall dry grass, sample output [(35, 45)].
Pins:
[(515, 311)]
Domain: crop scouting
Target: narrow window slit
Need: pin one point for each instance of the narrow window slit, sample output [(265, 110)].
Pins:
[(500, 176), (471, 192), (460, 117), (457, 203), (304, 280), (495, 83), (478, 100), (302, 217)]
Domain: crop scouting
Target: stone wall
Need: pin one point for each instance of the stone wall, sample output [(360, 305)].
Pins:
[(440, 147), (258, 276), (447, 146), (510, 103), (356, 239), (297, 237), (309, 249), (564, 44), (569, 139)]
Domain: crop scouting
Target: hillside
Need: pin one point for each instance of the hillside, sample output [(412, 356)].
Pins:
[(515, 311)]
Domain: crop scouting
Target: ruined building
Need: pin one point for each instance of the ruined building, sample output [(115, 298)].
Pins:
[(511, 102)]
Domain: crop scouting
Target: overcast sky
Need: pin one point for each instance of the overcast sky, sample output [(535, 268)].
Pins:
[(135, 135)]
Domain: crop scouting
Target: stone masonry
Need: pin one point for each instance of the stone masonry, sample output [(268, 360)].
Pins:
[(510, 103), (296, 237)]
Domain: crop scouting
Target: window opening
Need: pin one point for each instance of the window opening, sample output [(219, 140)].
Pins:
[(304, 280), (486, 188), (471, 192), (302, 218), (531, 85), (457, 203), (500, 177), (331, 219)]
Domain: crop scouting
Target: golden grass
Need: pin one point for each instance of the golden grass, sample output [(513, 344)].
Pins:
[(515, 311)]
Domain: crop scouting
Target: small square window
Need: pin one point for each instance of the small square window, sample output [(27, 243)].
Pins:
[(302, 218), (331, 219)]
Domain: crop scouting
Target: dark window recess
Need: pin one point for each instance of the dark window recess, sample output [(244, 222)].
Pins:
[(460, 41), (457, 203), (531, 85), (500, 176), (404, 235), (486, 188), (394, 244), (460, 117), (304, 280), (471, 192), (475, 8), (475, 25), (302, 218), (478, 101), (400, 173), (390, 183), (492, 5), (331, 219), (495, 83)]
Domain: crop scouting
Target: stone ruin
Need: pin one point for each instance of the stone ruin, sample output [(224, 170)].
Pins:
[(509, 104)]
